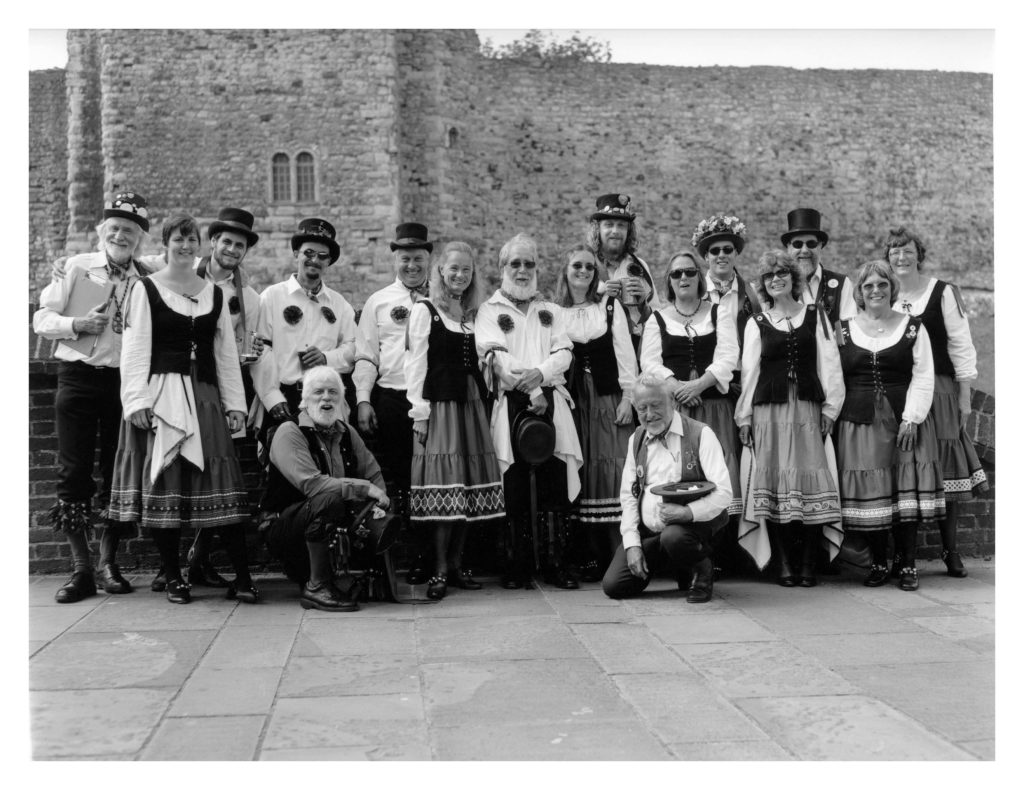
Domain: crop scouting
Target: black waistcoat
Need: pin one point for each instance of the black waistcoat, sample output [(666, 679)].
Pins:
[(829, 297), (681, 354), (935, 323), (450, 357), (868, 374), (598, 357), (279, 493), (176, 336), (788, 356)]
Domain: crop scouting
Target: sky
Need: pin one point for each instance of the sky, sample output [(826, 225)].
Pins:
[(947, 50)]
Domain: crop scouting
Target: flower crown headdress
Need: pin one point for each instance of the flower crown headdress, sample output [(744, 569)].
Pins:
[(719, 223)]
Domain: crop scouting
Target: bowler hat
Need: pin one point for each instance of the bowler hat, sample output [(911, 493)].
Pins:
[(411, 236), (375, 535), (614, 207), (235, 220), (804, 220), (533, 437), (129, 205), (320, 231)]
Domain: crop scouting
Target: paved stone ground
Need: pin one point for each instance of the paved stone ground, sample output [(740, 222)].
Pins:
[(760, 673)]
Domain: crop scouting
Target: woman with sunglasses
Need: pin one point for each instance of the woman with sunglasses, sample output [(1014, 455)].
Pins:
[(181, 388), (692, 344), (601, 385), (890, 478), (941, 308), (792, 393)]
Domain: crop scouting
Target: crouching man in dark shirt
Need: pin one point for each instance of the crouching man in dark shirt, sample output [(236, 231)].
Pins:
[(320, 470)]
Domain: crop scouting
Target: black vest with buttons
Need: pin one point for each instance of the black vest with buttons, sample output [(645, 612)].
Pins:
[(597, 357), (829, 296), (788, 356), (681, 354), (177, 336), (450, 357), (935, 323), (869, 374)]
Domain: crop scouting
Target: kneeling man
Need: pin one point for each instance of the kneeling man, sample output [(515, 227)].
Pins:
[(659, 536), (319, 469)]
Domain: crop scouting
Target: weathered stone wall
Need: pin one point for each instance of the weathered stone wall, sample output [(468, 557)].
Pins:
[(47, 171)]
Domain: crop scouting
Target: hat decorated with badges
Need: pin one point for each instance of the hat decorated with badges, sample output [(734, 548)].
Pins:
[(720, 227), (129, 205), (411, 236), (235, 220), (614, 207), (320, 231), (804, 220)]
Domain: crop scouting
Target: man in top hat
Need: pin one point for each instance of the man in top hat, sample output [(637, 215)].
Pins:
[(303, 323), (831, 291), (612, 235), (658, 535), (379, 376), (525, 348), (85, 309)]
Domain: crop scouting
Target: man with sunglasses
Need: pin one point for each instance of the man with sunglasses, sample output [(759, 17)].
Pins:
[(525, 350), (831, 291), (303, 324)]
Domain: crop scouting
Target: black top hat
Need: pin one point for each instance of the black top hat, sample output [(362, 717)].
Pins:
[(411, 236), (320, 231), (614, 207), (129, 205), (236, 220), (804, 220)]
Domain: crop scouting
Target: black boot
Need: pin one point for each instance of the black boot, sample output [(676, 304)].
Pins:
[(777, 540), (703, 582)]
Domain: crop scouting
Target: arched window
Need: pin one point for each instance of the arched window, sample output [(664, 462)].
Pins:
[(281, 178), (305, 178)]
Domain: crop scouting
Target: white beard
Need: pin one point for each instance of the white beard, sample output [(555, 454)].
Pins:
[(519, 292)]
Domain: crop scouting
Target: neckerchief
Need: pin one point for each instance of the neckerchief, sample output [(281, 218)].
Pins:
[(519, 303)]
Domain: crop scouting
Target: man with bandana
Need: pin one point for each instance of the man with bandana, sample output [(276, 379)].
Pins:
[(89, 385), (526, 351), (612, 235), (382, 410), (303, 324)]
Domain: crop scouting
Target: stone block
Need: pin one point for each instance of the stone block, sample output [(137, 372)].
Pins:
[(229, 738)]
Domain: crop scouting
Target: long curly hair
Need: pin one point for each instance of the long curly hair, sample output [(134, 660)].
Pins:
[(441, 295), (563, 294), (594, 238)]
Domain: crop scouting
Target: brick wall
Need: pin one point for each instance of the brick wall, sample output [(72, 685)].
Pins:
[(47, 171)]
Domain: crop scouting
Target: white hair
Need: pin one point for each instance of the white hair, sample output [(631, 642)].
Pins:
[(101, 231), (652, 381), (317, 374)]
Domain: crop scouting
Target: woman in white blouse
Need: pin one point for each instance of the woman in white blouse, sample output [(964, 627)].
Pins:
[(182, 395), (692, 343), (940, 307), (792, 393), (455, 476), (601, 386), (890, 478)]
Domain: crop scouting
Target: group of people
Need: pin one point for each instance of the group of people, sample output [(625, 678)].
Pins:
[(802, 405)]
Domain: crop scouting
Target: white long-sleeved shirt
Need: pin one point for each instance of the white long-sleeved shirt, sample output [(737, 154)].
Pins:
[(727, 349), (381, 347), (136, 351), (416, 357), (829, 368), (813, 284), (589, 321), (663, 466), (281, 363), (959, 344), (922, 380), (50, 322)]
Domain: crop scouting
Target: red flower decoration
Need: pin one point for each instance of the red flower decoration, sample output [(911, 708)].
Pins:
[(545, 317), (292, 314), (328, 313), (505, 323), (399, 314)]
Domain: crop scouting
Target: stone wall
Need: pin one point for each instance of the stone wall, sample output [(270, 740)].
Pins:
[(47, 171)]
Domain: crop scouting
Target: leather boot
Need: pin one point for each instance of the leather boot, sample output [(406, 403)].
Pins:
[(112, 580), (703, 582)]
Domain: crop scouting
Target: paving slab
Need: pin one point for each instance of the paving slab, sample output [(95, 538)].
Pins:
[(42, 589), (346, 636), (488, 602), (722, 751), (369, 722), (244, 646), (487, 638), (67, 724), (948, 590), (396, 751), (957, 627), (206, 738), (728, 626), (847, 728), (228, 692), (955, 700), (627, 648), (338, 676), (534, 690), (836, 650), (49, 622), (763, 669), (985, 749), (148, 611), (594, 614), (985, 610), (682, 707), (901, 602), (139, 659), (617, 739)]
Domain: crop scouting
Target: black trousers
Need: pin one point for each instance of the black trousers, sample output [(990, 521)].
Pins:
[(392, 446), (88, 398), (673, 550), (308, 520)]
